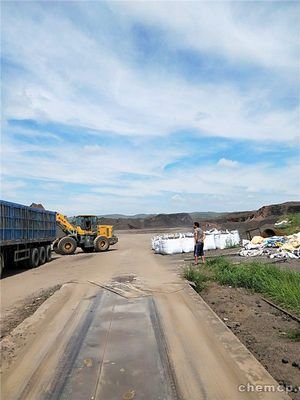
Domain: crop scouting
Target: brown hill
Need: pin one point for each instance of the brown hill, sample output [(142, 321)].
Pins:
[(278, 210), (262, 219), (157, 221)]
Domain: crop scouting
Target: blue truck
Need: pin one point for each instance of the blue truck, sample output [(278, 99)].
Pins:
[(26, 235)]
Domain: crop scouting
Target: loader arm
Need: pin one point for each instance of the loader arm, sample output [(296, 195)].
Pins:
[(65, 224)]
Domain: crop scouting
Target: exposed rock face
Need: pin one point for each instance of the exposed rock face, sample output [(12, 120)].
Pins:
[(271, 212), (262, 219), (278, 209)]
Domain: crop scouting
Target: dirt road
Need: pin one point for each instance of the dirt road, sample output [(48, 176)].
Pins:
[(123, 326)]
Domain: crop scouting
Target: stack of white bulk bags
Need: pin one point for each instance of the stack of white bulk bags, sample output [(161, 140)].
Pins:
[(184, 242)]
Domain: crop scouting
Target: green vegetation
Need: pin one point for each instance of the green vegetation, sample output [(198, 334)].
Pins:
[(280, 286), (196, 276), (295, 335), (294, 224)]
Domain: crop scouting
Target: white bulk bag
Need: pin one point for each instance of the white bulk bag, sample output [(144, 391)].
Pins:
[(235, 237), (170, 246), (221, 240), (217, 240), (154, 242), (229, 240), (157, 246), (209, 242), (187, 244)]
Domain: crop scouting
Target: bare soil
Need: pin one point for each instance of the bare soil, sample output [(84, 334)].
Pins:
[(24, 309), (261, 328)]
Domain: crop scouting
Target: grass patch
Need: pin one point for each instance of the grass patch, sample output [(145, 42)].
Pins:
[(294, 335), (197, 276), (293, 225), (281, 286)]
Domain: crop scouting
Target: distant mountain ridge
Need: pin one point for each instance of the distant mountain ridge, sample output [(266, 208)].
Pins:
[(136, 216), (156, 221), (227, 220), (196, 214)]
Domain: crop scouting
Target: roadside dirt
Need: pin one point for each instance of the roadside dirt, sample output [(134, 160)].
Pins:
[(262, 329), (24, 309)]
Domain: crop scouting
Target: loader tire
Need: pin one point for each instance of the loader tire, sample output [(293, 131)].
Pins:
[(55, 244), (67, 245), (101, 243)]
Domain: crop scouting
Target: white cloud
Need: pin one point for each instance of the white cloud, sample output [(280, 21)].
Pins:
[(177, 197), (259, 33), (224, 162), (61, 72), (83, 82), (10, 188), (99, 178)]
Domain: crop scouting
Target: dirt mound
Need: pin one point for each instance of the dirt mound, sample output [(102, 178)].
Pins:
[(35, 205), (278, 210), (168, 220)]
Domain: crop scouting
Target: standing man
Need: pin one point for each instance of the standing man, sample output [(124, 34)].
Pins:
[(199, 237)]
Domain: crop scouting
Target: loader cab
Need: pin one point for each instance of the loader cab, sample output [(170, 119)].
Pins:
[(86, 222)]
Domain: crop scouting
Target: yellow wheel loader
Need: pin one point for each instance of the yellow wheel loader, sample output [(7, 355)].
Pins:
[(84, 233)]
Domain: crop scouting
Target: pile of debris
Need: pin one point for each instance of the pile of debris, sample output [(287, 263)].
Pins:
[(184, 242), (273, 247)]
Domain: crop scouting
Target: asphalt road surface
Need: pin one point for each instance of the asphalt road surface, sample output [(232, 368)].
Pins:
[(123, 326)]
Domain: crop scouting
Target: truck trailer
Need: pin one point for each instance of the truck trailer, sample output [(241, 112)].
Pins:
[(26, 234)]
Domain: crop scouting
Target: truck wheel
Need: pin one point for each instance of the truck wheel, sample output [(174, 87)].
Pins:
[(1, 265), (67, 245), (42, 254), (34, 260), (48, 253), (101, 243)]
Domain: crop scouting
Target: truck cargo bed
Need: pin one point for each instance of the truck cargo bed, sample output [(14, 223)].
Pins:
[(20, 224)]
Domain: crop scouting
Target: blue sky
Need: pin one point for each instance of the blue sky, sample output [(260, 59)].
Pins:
[(149, 107)]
